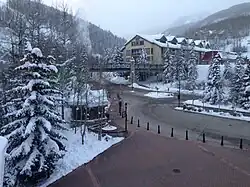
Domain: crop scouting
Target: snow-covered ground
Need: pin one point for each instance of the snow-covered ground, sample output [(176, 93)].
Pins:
[(159, 95), (226, 107), (167, 88), (78, 154), (115, 79), (217, 114), (135, 85)]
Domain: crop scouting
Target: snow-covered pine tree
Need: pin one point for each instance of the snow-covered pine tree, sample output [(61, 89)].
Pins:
[(34, 134), (237, 83), (169, 67), (142, 59), (108, 55), (192, 73), (245, 99), (214, 90), (117, 56), (228, 73), (181, 64)]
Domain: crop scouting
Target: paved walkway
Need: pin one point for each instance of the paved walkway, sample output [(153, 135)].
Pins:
[(146, 159)]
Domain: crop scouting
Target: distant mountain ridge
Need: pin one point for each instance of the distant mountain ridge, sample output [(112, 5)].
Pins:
[(209, 23)]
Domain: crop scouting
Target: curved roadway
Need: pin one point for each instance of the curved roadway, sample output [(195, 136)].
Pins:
[(161, 112)]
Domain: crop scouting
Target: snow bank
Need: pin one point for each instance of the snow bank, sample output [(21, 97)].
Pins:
[(158, 95), (115, 79), (78, 154), (225, 107), (3, 145), (37, 52), (109, 128), (119, 80), (217, 114), (135, 85), (168, 88)]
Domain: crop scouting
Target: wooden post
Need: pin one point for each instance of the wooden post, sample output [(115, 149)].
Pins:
[(172, 132), (138, 124), (241, 143), (159, 129), (148, 126), (186, 135), (204, 138), (222, 141)]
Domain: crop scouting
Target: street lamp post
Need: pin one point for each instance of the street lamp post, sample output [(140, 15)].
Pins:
[(132, 72)]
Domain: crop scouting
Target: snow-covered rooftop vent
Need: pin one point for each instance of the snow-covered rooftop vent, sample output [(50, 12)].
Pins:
[(37, 52)]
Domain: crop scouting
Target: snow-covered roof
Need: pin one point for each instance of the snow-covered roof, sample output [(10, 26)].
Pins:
[(198, 42), (201, 49), (181, 39), (168, 44), (151, 38), (227, 55), (94, 98), (170, 38), (154, 39), (190, 41)]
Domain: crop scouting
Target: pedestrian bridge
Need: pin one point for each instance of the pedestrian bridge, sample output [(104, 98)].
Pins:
[(121, 67)]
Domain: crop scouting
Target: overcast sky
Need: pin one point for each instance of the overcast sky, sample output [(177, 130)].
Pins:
[(126, 17)]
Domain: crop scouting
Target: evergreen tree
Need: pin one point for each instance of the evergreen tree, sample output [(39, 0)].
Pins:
[(245, 99), (34, 133), (214, 92), (108, 56), (237, 83), (142, 59), (169, 67), (192, 73), (117, 56), (227, 74)]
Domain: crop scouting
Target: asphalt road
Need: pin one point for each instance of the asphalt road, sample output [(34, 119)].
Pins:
[(161, 112)]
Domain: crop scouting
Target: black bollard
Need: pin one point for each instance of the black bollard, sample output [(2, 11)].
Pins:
[(120, 107), (126, 111), (132, 119), (186, 135), (148, 126), (241, 143), (222, 141), (204, 138), (138, 124), (172, 132), (159, 129)]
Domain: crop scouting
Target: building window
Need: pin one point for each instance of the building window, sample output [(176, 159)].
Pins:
[(148, 58), (141, 42), (152, 58), (128, 53), (133, 43), (147, 51), (152, 51), (136, 52)]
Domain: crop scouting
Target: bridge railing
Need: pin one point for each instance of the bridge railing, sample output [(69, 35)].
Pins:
[(124, 66)]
